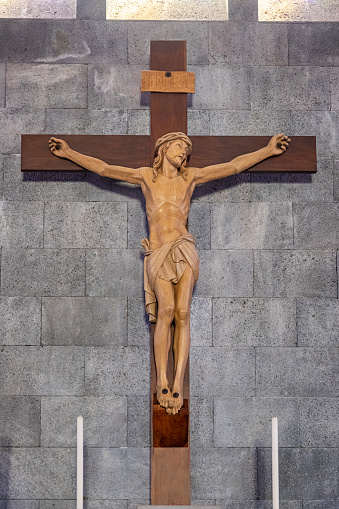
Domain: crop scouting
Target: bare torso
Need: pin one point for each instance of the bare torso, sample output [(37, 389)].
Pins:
[(167, 205)]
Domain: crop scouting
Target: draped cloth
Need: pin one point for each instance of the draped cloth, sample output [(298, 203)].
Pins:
[(168, 262)]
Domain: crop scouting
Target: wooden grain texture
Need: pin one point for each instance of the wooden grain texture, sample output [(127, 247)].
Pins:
[(129, 151), (168, 111), (170, 430), (300, 156), (170, 476), (168, 81)]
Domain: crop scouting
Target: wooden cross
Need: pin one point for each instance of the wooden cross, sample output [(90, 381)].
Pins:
[(170, 455)]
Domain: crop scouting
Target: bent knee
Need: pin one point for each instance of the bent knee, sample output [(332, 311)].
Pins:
[(166, 313), (182, 314)]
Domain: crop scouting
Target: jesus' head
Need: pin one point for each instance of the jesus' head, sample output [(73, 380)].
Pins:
[(161, 147)]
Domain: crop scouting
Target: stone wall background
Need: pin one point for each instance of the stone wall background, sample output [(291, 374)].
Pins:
[(265, 314)]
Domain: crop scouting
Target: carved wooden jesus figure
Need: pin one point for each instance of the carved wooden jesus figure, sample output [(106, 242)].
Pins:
[(171, 258)]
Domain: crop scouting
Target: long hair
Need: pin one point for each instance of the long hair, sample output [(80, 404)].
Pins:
[(161, 147)]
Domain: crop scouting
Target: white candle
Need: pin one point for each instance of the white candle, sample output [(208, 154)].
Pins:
[(275, 464), (80, 462)]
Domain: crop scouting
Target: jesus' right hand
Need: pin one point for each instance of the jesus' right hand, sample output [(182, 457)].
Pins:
[(58, 147)]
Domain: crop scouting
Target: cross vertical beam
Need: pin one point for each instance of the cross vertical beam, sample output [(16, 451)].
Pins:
[(170, 452)]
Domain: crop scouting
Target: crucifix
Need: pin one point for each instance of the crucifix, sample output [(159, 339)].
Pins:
[(171, 262)]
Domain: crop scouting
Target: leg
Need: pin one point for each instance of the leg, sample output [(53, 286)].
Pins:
[(183, 296), (162, 337)]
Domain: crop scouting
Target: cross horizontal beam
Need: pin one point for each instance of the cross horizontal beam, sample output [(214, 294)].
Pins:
[(134, 152)]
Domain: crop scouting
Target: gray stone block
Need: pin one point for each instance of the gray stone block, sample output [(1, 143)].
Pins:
[(26, 9), (320, 504), (220, 87), (251, 226), (85, 225), (198, 122), (336, 180), (142, 32), (115, 87), (199, 224), (322, 124), (224, 473), (295, 187), (20, 321), (232, 189), (20, 425), (89, 9), (105, 421), (46, 86), (203, 503), (201, 422), (138, 324), (290, 372), (316, 226), (41, 371), (21, 224), (1, 175), (295, 273), (246, 422), (301, 88), (320, 467), (35, 272), (67, 41), (243, 10), (128, 467), (19, 504), (334, 83), (2, 85), (291, 474), (318, 322), (17, 121), (219, 274), (138, 122), (134, 504), (58, 504), (249, 123), (84, 321), (114, 272), (319, 422), (34, 473), (241, 43), (41, 186), (86, 121), (313, 44), (201, 321), (138, 430), (260, 504), (123, 371), (283, 504), (226, 371), (106, 504), (254, 322), (137, 224)]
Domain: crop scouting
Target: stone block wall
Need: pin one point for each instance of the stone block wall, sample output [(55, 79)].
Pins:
[(265, 313)]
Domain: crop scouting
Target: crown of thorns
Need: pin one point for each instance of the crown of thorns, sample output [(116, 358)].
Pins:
[(172, 137)]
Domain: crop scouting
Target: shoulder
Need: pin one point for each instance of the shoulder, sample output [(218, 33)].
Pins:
[(146, 173), (191, 172)]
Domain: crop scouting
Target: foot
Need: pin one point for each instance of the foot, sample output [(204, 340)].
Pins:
[(164, 396), (177, 400)]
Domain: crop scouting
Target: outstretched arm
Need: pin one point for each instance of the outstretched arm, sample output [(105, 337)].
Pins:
[(276, 146), (61, 149)]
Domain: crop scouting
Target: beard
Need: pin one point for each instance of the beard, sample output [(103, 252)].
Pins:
[(174, 162)]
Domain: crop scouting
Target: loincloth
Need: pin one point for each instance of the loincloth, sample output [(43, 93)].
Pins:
[(168, 262)]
